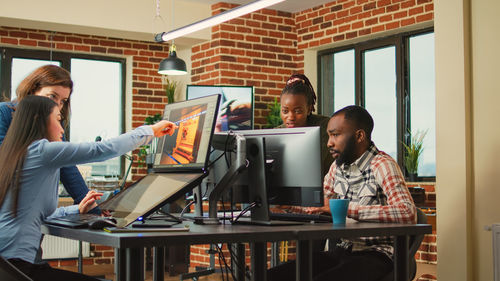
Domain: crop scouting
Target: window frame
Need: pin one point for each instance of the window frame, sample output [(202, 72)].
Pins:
[(8, 54), (401, 43)]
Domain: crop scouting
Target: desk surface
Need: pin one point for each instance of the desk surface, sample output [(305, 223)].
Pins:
[(204, 234)]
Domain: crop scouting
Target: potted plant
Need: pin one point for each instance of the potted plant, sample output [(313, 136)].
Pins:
[(413, 150), (170, 87), (274, 117)]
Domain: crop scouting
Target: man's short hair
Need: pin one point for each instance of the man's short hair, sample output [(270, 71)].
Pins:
[(359, 117)]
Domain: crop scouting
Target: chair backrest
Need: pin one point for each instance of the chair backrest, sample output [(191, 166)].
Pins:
[(8, 272)]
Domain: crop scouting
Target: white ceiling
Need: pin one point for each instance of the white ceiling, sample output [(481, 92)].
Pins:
[(291, 6)]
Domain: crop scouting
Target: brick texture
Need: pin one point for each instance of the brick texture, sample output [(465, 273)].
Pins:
[(148, 97), (259, 49), (342, 20)]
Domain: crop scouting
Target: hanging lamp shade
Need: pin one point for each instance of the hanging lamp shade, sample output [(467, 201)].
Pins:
[(172, 65)]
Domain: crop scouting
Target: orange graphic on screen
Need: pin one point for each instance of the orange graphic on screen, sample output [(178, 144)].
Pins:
[(187, 137)]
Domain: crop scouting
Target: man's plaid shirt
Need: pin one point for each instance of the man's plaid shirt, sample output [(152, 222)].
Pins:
[(377, 192)]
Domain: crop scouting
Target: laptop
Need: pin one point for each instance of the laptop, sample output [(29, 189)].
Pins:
[(179, 165)]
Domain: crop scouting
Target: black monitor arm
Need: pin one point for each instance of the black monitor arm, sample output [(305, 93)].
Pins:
[(236, 168)]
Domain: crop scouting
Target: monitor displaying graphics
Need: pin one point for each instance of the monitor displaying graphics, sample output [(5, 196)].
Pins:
[(187, 149), (236, 105)]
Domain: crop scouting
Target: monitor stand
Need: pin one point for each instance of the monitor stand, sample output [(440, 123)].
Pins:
[(258, 183)]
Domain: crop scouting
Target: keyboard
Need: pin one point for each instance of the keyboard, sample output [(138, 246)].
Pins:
[(300, 217)]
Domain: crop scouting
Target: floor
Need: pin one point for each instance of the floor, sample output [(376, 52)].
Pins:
[(106, 271)]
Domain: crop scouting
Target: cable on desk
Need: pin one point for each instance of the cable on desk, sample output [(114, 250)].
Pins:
[(247, 208), (181, 215), (223, 209), (213, 162)]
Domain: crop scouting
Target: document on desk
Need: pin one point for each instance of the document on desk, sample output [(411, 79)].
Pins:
[(150, 229)]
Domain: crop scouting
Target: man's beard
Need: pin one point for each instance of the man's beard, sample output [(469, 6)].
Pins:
[(348, 155)]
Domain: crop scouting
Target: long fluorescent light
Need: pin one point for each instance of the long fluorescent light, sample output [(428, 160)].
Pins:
[(217, 19)]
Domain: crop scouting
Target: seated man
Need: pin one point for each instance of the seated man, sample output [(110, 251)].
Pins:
[(375, 186)]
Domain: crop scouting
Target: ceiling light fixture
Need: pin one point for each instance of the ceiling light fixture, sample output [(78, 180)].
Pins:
[(171, 65), (214, 20)]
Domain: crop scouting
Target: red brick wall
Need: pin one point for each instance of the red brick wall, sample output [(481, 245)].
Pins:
[(428, 249), (349, 19), (259, 49), (263, 48), (148, 97)]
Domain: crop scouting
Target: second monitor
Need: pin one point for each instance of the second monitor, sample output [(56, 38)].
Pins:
[(284, 167)]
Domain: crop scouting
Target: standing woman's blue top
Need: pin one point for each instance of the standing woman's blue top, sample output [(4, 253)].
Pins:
[(70, 176), (20, 236)]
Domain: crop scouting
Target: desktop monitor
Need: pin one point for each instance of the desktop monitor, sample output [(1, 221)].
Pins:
[(284, 167), (188, 148), (236, 105)]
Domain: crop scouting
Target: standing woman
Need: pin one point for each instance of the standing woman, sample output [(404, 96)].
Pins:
[(297, 105), (31, 155), (55, 83)]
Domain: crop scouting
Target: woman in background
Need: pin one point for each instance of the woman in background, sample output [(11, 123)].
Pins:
[(297, 106), (31, 155), (53, 82)]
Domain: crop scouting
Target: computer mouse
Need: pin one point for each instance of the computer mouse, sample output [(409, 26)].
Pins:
[(101, 223)]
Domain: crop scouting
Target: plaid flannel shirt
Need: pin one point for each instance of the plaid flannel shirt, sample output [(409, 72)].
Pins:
[(377, 192)]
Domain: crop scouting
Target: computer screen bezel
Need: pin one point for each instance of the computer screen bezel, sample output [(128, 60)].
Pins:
[(252, 95), (192, 167)]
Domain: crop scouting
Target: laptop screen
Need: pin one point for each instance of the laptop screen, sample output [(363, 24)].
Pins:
[(187, 149), (147, 194)]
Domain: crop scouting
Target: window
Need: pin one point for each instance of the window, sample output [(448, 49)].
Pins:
[(98, 88), (422, 98), (393, 78), (341, 76), (21, 67), (97, 98), (379, 92)]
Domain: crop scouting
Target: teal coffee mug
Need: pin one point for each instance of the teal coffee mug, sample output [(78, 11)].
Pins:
[(338, 208)]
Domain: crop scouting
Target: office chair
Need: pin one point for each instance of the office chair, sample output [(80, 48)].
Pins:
[(414, 243), (8, 272)]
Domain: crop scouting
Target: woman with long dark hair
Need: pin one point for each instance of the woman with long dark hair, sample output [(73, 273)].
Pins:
[(53, 82), (31, 155)]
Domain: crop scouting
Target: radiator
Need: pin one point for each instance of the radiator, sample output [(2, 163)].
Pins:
[(495, 229), (61, 248)]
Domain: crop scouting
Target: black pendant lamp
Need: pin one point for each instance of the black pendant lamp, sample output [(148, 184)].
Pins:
[(172, 65)]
